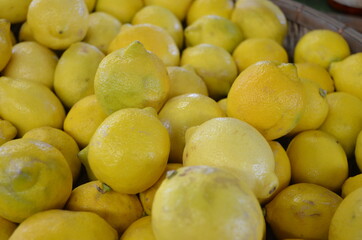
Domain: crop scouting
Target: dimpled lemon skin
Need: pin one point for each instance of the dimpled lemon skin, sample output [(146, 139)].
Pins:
[(34, 176), (190, 204), (129, 150), (139, 229), (5, 43)]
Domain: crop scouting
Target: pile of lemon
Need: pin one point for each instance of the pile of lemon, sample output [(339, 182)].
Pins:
[(189, 119)]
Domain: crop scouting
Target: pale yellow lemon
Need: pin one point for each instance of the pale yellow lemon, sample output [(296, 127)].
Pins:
[(223, 104), (358, 150), (14, 11), (7, 131), (139, 229), (351, 184), (199, 8), (25, 33), (179, 8), (123, 10), (6, 228), (5, 43)]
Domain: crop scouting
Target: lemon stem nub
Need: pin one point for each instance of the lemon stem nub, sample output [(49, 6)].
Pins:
[(104, 188)]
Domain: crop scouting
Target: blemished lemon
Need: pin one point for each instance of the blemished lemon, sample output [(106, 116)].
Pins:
[(58, 23), (185, 80), (129, 144), (346, 221), (179, 8), (118, 209), (131, 77), (103, 28), (6, 228), (232, 144), (23, 66), (62, 141), (139, 229), (317, 74), (25, 33), (83, 119), (260, 19), (162, 17), (351, 184), (322, 47), (34, 177), (269, 96), (62, 224), (214, 29), (199, 8), (358, 150), (5, 44), (123, 10), (302, 210), (7, 131), (253, 50), (214, 65), (154, 39), (347, 74), (39, 105), (182, 208), (185, 111), (14, 11), (344, 119)]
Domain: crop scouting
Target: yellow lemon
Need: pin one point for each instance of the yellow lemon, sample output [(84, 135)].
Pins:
[(191, 204), (162, 17), (214, 29), (358, 150), (154, 39), (317, 74), (90, 4), (34, 177), (83, 119), (103, 28), (7, 131), (62, 141), (269, 96), (214, 65), (302, 210), (58, 23), (139, 229), (223, 104), (344, 119), (118, 209), (316, 157), (123, 10), (351, 184), (147, 196), (199, 8), (253, 50), (62, 224), (260, 19), (179, 8), (346, 221), (23, 66), (322, 47), (185, 80), (5, 43), (129, 144), (347, 74), (14, 10), (39, 105), (6, 228), (131, 77), (83, 156), (234, 145), (25, 33)]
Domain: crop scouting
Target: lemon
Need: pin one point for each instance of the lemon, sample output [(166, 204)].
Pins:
[(260, 19), (302, 210), (75, 71), (83, 119), (179, 8), (234, 145), (322, 47), (346, 221), (23, 66), (344, 119), (61, 224), (199, 8), (190, 204), (147, 196), (347, 74), (123, 10), (358, 150), (34, 177), (39, 105), (182, 112), (83, 156), (269, 96), (62, 141), (317, 74), (253, 50), (118, 209), (90, 4), (351, 184), (58, 23), (223, 104), (129, 144), (214, 65), (6, 228), (103, 28), (154, 39), (25, 33), (162, 17), (139, 229), (7, 131), (5, 43), (185, 80), (214, 29), (131, 77), (14, 11)]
